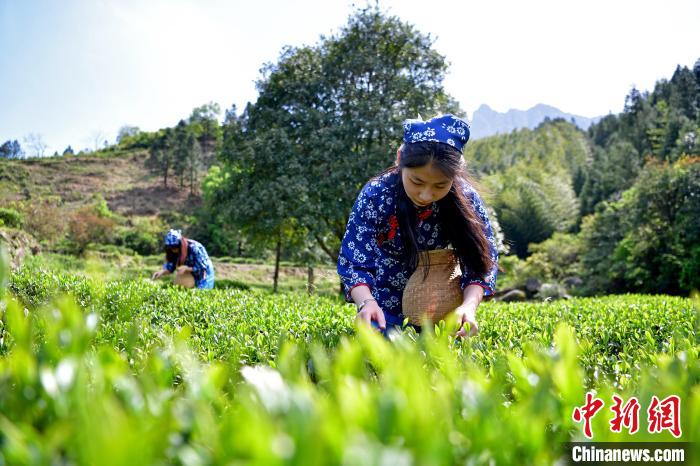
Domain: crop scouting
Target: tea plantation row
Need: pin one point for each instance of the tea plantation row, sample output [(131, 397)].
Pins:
[(131, 372)]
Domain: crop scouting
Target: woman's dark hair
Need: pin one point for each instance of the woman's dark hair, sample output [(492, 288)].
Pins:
[(173, 256), (457, 217)]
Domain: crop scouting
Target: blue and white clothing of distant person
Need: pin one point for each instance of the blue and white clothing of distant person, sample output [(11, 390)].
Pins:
[(202, 267)]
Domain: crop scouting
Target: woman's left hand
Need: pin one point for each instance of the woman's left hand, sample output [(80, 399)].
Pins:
[(183, 269), (466, 317)]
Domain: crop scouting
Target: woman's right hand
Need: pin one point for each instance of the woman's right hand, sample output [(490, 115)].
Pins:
[(372, 312), (157, 275)]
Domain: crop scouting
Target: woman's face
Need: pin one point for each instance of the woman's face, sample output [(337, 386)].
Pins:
[(172, 250), (425, 185)]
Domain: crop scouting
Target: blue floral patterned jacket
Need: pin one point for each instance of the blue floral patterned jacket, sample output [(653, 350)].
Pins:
[(198, 259), (372, 248)]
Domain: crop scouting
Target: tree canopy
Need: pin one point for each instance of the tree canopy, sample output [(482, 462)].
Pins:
[(328, 117)]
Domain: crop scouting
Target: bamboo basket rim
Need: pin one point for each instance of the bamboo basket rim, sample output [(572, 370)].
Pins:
[(438, 256)]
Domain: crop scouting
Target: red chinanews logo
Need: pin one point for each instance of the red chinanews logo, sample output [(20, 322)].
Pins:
[(662, 414)]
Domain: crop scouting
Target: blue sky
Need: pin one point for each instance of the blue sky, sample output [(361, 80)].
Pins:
[(76, 71)]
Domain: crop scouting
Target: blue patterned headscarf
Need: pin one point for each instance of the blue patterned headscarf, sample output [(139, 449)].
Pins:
[(447, 129), (173, 237)]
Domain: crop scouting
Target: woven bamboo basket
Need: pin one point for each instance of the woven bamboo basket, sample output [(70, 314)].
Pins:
[(437, 295), (185, 279)]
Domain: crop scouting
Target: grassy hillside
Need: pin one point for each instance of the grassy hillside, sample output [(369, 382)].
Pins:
[(109, 199), (49, 193), (121, 178)]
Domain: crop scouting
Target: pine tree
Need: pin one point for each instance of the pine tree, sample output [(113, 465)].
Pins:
[(181, 151), (684, 92), (161, 155)]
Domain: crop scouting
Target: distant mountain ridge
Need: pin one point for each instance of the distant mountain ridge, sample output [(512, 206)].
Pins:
[(487, 122)]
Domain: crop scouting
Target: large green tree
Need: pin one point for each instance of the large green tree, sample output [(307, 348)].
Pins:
[(658, 124), (328, 117), (649, 240), (187, 154), (204, 124), (257, 190), (161, 156), (127, 131), (610, 172)]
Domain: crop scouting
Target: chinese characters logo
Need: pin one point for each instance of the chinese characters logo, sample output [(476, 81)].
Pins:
[(661, 414)]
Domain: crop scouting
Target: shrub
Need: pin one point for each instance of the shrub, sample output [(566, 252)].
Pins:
[(512, 273), (10, 218), (87, 226), (144, 236), (145, 243), (43, 219), (555, 258)]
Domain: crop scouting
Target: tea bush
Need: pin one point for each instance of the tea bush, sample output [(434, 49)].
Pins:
[(132, 372), (615, 333)]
